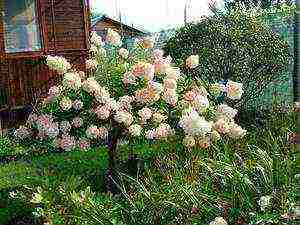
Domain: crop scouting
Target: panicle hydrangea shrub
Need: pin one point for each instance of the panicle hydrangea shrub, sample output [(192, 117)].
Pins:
[(130, 93)]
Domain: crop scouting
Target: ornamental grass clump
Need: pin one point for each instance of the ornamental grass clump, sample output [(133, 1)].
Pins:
[(127, 94)]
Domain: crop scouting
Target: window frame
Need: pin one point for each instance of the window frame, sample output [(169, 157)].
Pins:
[(41, 27)]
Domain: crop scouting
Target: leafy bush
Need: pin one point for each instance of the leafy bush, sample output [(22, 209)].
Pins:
[(233, 45), (9, 147), (133, 96)]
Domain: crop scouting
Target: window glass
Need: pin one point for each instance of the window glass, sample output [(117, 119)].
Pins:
[(21, 27)]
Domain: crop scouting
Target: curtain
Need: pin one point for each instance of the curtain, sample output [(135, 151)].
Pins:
[(21, 26)]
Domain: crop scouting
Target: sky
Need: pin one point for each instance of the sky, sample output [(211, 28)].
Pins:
[(152, 15)]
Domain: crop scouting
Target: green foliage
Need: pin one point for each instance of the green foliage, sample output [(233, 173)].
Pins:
[(8, 147), (228, 179), (112, 68), (15, 208), (176, 187), (265, 4), (39, 169), (73, 170), (238, 41), (281, 19)]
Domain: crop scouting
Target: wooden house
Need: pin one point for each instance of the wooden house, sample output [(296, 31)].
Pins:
[(101, 23), (29, 30)]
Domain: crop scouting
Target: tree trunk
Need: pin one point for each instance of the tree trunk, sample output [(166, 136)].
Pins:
[(112, 147)]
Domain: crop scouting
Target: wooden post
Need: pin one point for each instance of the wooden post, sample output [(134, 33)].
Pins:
[(1, 131)]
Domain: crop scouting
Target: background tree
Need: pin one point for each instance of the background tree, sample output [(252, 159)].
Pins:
[(233, 45), (229, 4)]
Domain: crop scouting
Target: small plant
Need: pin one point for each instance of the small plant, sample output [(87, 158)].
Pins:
[(8, 147)]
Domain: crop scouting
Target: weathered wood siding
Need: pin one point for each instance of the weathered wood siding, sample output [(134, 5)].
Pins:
[(64, 26)]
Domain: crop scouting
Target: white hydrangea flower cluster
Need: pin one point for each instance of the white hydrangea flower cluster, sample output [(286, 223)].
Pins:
[(162, 131), (96, 40), (192, 61), (199, 131), (113, 37), (123, 52), (97, 44), (91, 64), (193, 124), (145, 114), (227, 111), (22, 132), (60, 64), (72, 80), (53, 93), (264, 202), (124, 117), (66, 104), (234, 90), (135, 130), (218, 221)]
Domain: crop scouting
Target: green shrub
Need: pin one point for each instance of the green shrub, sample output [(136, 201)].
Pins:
[(233, 45), (8, 147)]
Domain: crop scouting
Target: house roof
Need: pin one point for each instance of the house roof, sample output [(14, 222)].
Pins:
[(101, 18), (162, 36)]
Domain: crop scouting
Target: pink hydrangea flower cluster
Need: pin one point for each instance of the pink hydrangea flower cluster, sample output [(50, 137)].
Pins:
[(161, 64), (47, 127), (148, 95), (233, 90), (197, 98), (164, 130), (143, 69), (66, 142), (93, 132)]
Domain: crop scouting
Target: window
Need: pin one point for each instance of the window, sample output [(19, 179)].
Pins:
[(21, 27)]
